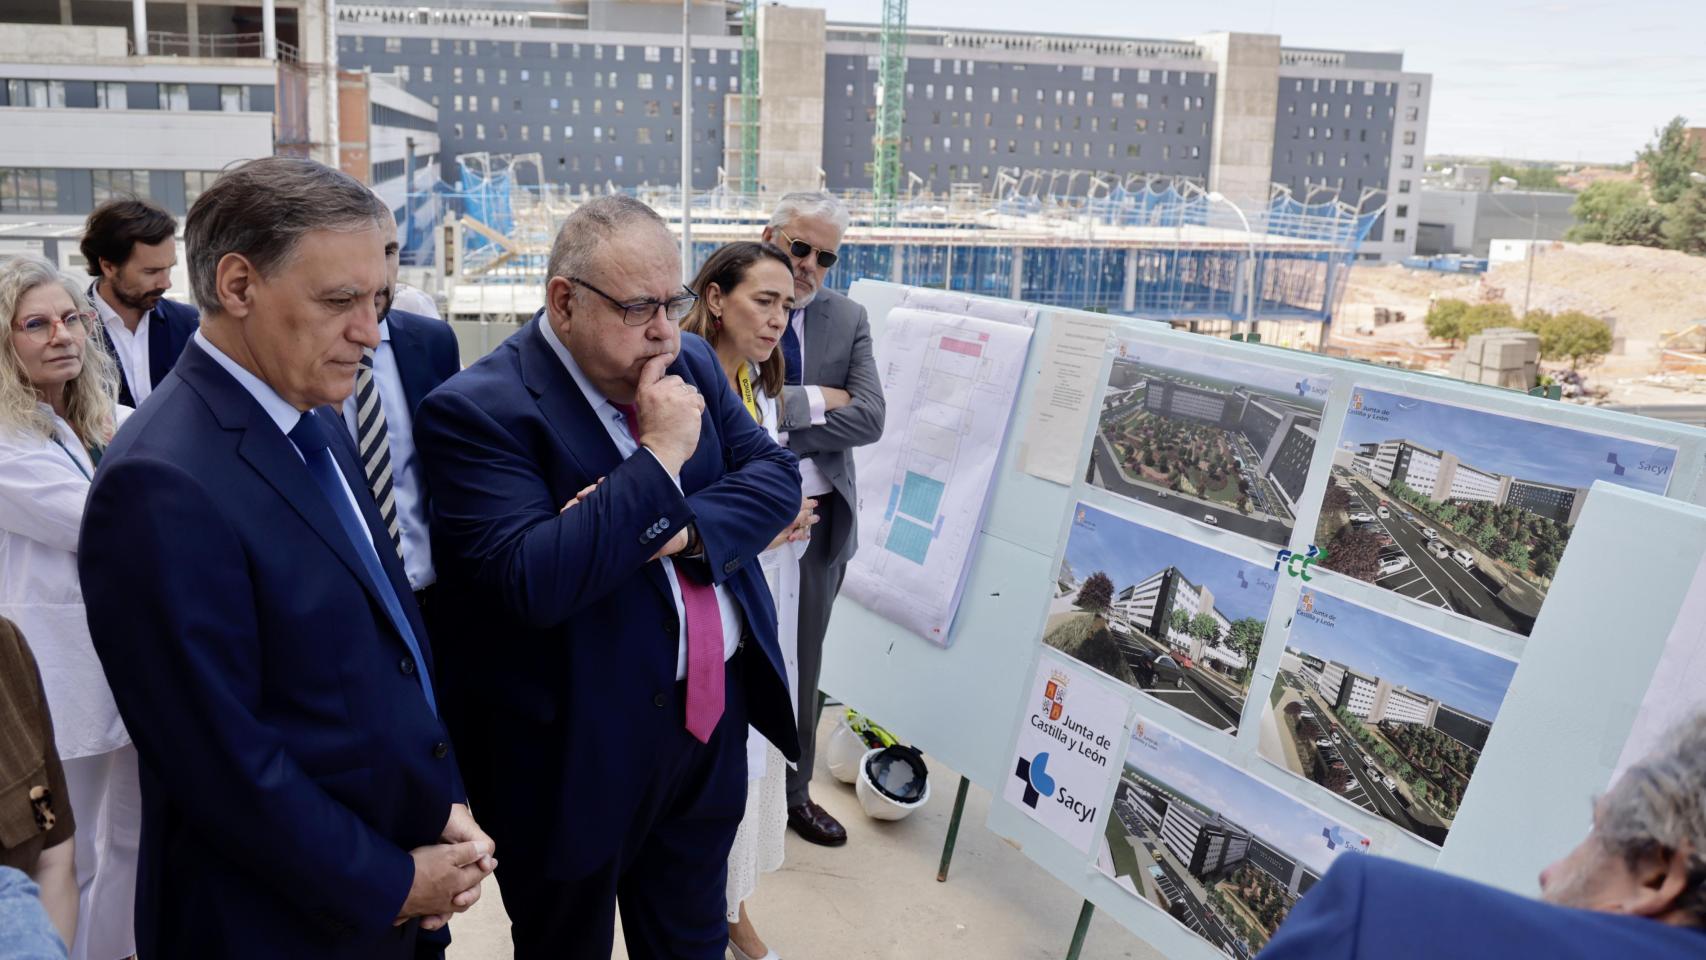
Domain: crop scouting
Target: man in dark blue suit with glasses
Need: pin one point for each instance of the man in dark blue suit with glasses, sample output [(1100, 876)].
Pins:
[(300, 797), (600, 497)]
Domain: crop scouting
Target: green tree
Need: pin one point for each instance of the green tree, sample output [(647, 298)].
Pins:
[(1245, 636), (1179, 621), (1599, 203), (1445, 320), (1636, 227), (1097, 594), (1685, 222), (1668, 160), (1574, 336), (1486, 316), (1205, 628)]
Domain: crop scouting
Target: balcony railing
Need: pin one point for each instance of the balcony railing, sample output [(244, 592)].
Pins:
[(224, 45)]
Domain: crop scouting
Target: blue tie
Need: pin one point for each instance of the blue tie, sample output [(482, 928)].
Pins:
[(793, 365), (310, 438)]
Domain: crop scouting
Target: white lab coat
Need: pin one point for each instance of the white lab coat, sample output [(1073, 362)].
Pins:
[(43, 488), (782, 572)]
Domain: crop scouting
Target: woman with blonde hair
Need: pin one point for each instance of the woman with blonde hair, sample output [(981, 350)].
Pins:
[(58, 412), (745, 292)]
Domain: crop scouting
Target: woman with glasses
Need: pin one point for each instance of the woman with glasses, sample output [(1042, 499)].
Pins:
[(745, 292), (57, 413)]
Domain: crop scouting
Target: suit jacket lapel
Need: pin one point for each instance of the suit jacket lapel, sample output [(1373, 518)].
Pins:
[(411, 367), (580, 433), (273, 456), (388, 559), (817, 324), (124, 395), (159, 347)]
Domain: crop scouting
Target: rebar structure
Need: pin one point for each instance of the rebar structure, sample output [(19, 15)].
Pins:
[(891, 110)]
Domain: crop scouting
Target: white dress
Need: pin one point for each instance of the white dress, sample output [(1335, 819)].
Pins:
[(44, 485), (758, 843)]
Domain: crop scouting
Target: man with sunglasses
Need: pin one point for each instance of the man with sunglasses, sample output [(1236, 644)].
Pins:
[(600, 498), (831, 403)]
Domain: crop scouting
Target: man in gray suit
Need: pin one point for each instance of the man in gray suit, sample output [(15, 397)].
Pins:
[(832, 401)]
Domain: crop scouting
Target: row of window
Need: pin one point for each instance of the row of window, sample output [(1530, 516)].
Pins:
[(50, 94), (392, 169), (1086, 74), (650, 108), (36, 190), (1326, 133), (601, 79), (1056, 148), (1413, 89), (1062, 98), (516, 50), (643, 136), (383, 116)]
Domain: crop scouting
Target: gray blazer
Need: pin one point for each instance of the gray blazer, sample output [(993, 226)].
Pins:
[(837, 354)]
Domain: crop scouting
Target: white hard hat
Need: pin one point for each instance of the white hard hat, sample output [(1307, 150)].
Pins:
[(844, 751), (893, 782)]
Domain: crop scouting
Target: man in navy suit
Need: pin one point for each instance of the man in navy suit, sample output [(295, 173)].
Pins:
[(300, 798), (600, 497), (128, 244), (1635, 887)]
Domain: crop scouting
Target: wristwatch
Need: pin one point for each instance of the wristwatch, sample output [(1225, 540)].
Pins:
[(695, 549)]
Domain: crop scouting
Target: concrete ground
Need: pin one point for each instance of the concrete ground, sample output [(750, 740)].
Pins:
[(877, 898)]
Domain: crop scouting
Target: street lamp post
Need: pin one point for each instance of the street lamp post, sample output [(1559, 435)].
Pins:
[(686, 141), (1249, 266)]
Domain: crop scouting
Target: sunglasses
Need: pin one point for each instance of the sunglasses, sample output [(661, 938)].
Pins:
[(801, 250)]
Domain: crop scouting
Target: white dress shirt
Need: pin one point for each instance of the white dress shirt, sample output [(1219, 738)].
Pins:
[(43, 489), (616, 425), (282, 413), (131, 348), (812, 480), (405, 464)]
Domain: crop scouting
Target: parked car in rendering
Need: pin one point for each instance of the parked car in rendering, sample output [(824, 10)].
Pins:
[(1363, 517), (1211, 519), (1439, 549), (1383, 513), (1391, 565), (1463, 559), (1430, 533), (1158, 671)]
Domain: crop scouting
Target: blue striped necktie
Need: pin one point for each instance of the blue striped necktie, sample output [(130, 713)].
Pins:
[(374, 443)]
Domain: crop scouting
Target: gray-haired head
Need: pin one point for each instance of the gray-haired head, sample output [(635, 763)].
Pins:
[(1646, 853), (591, 225), (261, 209), (1658, 807), (817, 204)]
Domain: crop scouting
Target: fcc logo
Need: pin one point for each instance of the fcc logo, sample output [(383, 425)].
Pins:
[(1034, 774)]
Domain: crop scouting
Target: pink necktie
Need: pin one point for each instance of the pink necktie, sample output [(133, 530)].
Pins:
[(704, 634)]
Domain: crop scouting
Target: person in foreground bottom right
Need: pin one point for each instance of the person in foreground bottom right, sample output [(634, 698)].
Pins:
[(1634, 887)]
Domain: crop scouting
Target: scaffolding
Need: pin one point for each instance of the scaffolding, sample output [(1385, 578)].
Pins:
[(749, 97), (1151, 247)]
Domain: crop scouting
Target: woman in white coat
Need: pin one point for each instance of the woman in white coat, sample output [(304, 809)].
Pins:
[(57, 413), (745, 292)]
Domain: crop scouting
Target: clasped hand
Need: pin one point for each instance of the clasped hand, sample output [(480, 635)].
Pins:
[(448, 874)]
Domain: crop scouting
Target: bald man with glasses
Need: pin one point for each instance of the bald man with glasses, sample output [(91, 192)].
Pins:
[(600, 498)]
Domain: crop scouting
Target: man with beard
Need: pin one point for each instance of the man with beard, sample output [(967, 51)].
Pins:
[(130, 251)]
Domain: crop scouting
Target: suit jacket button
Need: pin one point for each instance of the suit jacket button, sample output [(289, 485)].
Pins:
[(731, 566), (407, 665), (663, 524), (658, 700), (440, 750)]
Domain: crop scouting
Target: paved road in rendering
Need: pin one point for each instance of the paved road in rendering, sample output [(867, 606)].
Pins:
[(1430, 579), (1198, 917), (1107, 476), (1375, 795), (1197, 699)]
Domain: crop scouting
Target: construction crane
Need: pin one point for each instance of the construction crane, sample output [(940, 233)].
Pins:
[(891, 110), (748, 183)]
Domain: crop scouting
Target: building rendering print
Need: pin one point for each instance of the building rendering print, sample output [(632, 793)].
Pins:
[(1177, 620), (1217, 850), (1464, 508), (1223, 442), (1387, 715)]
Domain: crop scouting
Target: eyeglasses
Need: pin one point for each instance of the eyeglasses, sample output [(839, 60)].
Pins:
[(801, 250), (637, 313), (40, 329)]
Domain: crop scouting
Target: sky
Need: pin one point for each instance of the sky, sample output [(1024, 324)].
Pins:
[(1128, 552), (1456, 674), (1275, 817), (1565, 80), (1314, 387), (1521, 448)]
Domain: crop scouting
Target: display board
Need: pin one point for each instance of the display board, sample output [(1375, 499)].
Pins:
[(1228, 504)]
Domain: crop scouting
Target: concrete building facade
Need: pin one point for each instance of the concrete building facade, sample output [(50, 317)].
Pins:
[(1204, 843), (1222, 108)]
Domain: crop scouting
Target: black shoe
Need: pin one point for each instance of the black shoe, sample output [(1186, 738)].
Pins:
[(814, 824)]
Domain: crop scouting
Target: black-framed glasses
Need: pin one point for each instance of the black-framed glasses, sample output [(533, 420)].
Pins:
[(637, 313), (801, 250)]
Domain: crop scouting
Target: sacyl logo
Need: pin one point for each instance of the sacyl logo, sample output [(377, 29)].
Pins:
[(1616, 468), (1034, 773)]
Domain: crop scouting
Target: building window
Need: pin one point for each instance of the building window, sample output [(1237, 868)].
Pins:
[(1407, 161), (1402, 211), (1399, 234), (393, 44), (1088, 75), (426, 74), (1411, 113), (28, 190), (654, 54), (1403, 186), (174, 96), (456, 131), (233, 99), (643, 136), (568, 132), (1409, 138), (112, 96), (1414, 89), (1119, 101), (113, 184), (644, 81)]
